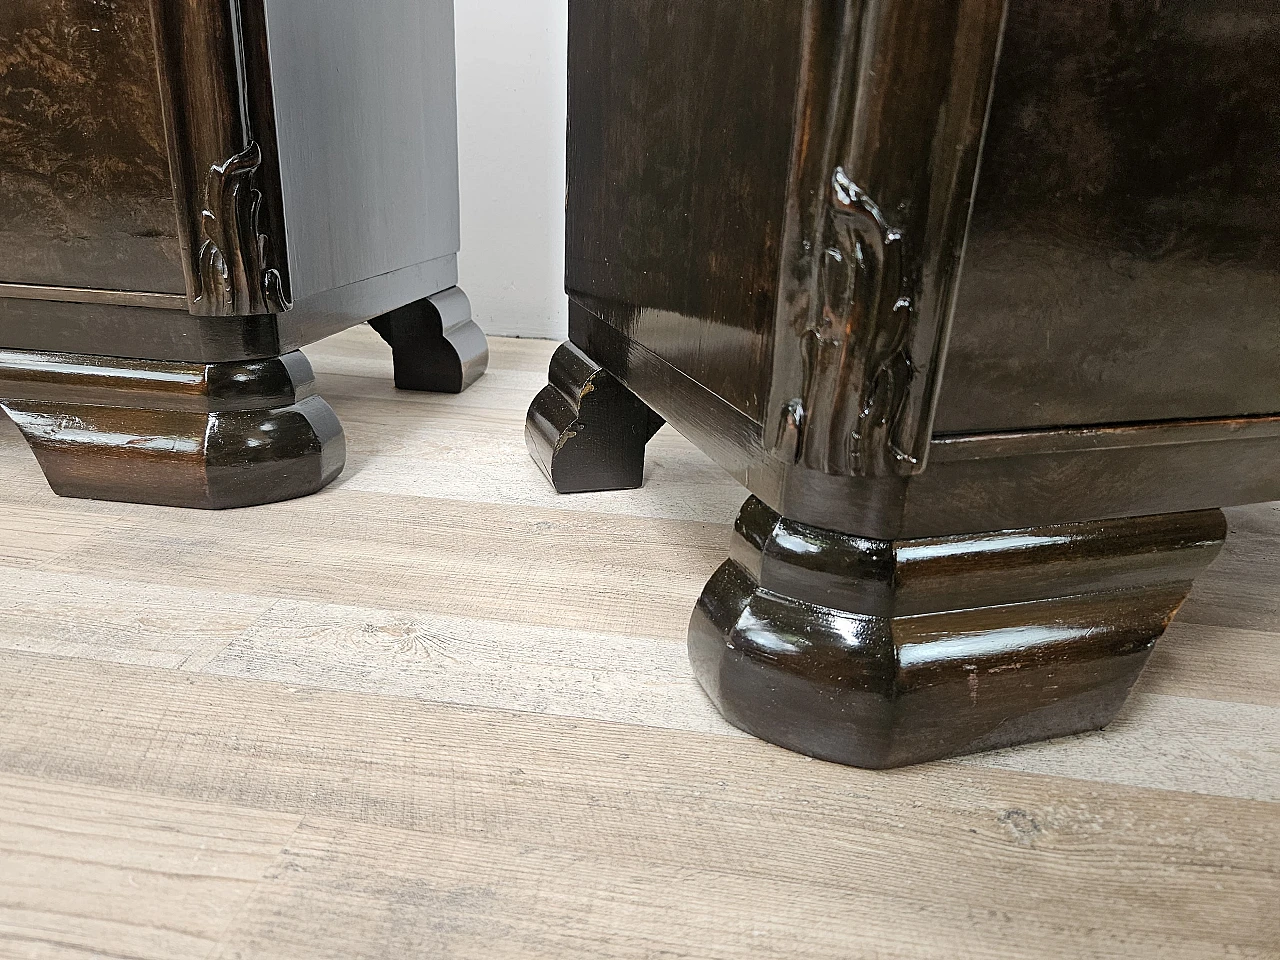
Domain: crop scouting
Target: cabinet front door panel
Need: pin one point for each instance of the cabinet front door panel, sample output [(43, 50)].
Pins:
[(85, 193), (679, 143), (1123, 262)]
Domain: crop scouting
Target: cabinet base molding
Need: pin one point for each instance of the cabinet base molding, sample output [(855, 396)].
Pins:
[(586, 431), (435, 344), (210, 435), (882, 653)]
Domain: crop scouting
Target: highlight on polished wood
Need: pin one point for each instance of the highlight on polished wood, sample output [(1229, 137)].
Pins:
[(586, 431), (176, 434), (936, 278), (435, 343), (880, 654)]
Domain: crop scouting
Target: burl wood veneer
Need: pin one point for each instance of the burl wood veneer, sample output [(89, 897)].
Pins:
[(190, 191), (983, 481)]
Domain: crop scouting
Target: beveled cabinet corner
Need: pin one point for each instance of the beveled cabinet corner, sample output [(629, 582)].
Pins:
[(881, 653), (215, 80), (871, 267), (222, 223), (890, 103)]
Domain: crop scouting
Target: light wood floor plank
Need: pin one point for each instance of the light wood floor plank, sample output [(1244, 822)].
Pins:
[(1168, 742), (369, 892), (494, 466), (550, 567), (1240, 588), (95, 872), (1215, 662), (470, 661), (31, 535), (70, 615), (1169, 874), (542, 566)]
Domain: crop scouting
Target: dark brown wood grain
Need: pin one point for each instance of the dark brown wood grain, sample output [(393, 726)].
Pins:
[(815, 187), (686, 230), (974, 483), (1124, 261), (904, 588), (585, 430), (257, 157), (164, 330), (889, 118), (435, 344), (850, 127), (128, 330), (85, 196), (144, 126)]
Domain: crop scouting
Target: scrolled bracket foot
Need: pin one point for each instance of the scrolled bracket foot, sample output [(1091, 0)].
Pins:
[(435, 344), (586, 431)]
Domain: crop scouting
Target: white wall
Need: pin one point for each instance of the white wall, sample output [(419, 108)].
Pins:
[(511, 130)]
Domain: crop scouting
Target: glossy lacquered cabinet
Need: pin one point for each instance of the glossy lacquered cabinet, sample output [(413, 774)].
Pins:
[(981, 303), (190, 191)]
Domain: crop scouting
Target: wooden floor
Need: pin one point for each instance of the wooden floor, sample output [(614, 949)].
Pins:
[(438, 712)]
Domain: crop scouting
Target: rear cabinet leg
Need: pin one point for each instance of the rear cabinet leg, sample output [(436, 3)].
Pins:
[(435, 344), (585, 429)]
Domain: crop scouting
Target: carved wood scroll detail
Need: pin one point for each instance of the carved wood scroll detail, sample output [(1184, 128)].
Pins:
[(861, 343), (234, 276), (889, 120), (215, 76)]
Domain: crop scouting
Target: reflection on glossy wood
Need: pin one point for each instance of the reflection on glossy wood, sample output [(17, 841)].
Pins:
[(772, 271), (1123, 263), (890, 111), (435, 343), (973, 483), (85, 196), (144, 332), (125, 105), (684, 231), (878, 653), (585, 430), (176, 434), (218, 115)]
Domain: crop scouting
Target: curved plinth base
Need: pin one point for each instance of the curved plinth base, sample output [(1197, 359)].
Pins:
[(435, 344), (586, 431), (174, 434), (881, 654)]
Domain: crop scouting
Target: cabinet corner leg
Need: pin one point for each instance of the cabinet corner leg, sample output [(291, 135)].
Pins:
[(205, 435), (887, 653)]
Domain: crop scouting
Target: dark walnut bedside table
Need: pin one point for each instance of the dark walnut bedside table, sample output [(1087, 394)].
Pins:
[(768, 210), (191, 190)]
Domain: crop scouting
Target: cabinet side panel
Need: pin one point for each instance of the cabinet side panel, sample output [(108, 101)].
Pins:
[(85, 196), (1123, 262), (680, 128), (366, 120)]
